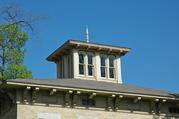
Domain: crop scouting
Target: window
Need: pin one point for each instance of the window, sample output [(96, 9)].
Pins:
[(111, 67), (90, 65), (103, 66), (88, 102), (81, 64), (107, 66), (86, 64), (173, 110)]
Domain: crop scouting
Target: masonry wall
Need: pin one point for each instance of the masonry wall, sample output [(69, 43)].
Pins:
[(62, 105), (45, 112)]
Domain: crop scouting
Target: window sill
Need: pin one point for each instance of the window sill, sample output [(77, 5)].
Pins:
[(86, 77), (107, 80), (112, 79), (104, 78)]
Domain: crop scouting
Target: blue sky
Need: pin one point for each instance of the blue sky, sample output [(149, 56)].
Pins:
[(149, 27)]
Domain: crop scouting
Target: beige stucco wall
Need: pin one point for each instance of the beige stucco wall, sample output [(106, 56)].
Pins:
[(32, 112)]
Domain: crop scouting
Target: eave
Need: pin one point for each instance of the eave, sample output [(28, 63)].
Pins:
[(75, 44), (98, 92)]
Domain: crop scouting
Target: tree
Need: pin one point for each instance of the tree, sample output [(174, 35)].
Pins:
[(17, 71), (13, 37), (12, 50)]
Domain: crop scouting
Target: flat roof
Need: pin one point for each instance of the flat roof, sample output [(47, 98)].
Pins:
[(89, 46)]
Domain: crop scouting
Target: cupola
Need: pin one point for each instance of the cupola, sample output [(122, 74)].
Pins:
[(88, 61)]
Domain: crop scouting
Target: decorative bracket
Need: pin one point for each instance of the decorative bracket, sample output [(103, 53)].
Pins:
[(137, 99), (34, 94), (92, 95), (25, 95), (111, 102), (75, 98), (68, 98), (53, 91)]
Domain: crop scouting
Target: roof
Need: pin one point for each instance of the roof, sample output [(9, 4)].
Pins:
[(68, 45), (92, 85)]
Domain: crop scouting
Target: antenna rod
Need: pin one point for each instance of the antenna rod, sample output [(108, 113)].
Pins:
[(87, 35)]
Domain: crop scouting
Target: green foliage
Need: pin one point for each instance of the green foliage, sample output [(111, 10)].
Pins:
[(17, 71), (12, 50)]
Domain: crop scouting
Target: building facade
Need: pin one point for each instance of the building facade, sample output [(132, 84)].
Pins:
[(88, 86)]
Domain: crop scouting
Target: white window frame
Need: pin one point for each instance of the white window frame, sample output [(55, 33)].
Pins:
[(93, 67), (111, 67), (85, 64), (107, 67), (106, 72)]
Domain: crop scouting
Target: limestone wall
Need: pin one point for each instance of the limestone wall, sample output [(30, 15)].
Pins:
[(41, 102), (44, 112)]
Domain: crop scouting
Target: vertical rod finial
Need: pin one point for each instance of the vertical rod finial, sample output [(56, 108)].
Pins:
[(87, 34)]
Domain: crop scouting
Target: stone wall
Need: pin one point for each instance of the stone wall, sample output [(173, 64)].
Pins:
[(35, 101), (45, 112), (65, 99)]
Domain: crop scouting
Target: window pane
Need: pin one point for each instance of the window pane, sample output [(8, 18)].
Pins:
[(91, 102), (90, 59), (103, 61), (103, 72), (111, 72), (111, 61), (81, 58), (90, 70), (88, 102), (84, 102), (81, 69)]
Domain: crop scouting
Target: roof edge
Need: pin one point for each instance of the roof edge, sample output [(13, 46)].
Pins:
[(90, 90), (79, 42), (49, 57)]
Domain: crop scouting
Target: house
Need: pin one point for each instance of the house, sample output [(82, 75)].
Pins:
[(88, 86)]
